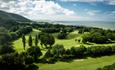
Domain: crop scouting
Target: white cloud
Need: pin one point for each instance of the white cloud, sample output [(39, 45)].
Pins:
[(112, 13), (82, 0), (92, 12), (34, 8), (111, 2)]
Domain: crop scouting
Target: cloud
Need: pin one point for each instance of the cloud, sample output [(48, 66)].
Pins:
[(93, 12), (111, 2), (82, 0), (34, 8)]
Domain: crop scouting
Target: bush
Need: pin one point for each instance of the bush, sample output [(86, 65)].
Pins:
[(50, 30), (62, 36), (99, 50), (12, 62), (78, 51), (35, 52), (15, 61), (46, 39), (96, 37), (6, 49), (58, 50)]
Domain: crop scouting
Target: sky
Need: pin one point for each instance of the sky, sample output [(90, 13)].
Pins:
[(62, 10)]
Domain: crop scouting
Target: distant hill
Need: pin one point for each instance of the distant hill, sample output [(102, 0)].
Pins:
[(8, 18)]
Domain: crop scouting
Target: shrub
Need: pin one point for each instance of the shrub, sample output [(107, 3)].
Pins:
[(99, 50), (58, 50), (35, 52), (62, 36), (6, 49), (78, 51), (15, 61)]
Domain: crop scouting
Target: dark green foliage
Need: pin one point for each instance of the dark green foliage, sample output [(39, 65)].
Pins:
[(24, 41), (30, 41), (46, 39), (24, 30), (96, 38), (35, 52), (99, 36), (113, 48), (58, 50), (62, 35), (6, 49), (99, 51), (29, 59), (68, 52), (12, 62), (50, 30), (78, 51), (36, 40), (4, 36), (15, 61), (13, 35), (48, 54)]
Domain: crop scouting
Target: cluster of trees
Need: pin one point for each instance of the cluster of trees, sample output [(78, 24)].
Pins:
[(7, 48), (64, 33), (50, 30), (30, 41), (18, 33), (109, 67), (96, 51), (4, 36), (46, 39), (99, 36), (16, 61), (58, 52)]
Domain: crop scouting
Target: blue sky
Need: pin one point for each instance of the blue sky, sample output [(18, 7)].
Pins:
[(69, 10)]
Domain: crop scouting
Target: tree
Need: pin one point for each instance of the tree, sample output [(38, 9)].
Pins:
[(4, 36), (24, 41), (15, 61), (78, 51), (48, 54), (6, 49), (47, 39), (63, 34), (30, 41), (13, 35), (35, 52), (58, 50), (36, 40)]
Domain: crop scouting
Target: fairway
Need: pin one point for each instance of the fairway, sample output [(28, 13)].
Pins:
[(84, 64), (78, 64), (68, 43)]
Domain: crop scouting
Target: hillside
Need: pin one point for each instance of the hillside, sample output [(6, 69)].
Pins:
[(8, 18)]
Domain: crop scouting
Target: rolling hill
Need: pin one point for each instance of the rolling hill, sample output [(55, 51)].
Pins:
[(6, 19)]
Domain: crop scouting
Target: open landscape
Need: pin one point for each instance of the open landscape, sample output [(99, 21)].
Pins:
[(54, 35)]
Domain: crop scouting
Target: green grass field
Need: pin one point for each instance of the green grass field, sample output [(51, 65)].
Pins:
[(82, 64)]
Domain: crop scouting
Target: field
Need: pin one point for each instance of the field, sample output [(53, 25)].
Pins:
[(78, 64), (82, 64)]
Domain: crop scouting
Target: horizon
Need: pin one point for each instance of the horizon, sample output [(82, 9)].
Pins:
[(62, 10)]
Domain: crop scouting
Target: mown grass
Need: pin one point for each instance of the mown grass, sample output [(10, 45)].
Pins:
[(68, 43), (85, 64)]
